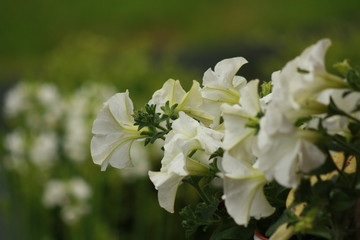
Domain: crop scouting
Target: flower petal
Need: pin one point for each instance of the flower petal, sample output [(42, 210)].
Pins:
[(167, 185)]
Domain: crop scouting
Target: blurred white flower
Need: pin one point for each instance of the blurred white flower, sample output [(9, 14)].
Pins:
[(15, 142), (55, 193), (70, 195), (71, 214), (15, 100), (114, 132), (79, 189), (44, 150), (48, 94), (16, 146)]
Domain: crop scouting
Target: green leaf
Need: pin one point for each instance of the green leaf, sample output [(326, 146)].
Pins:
[(340, 200), (321, 232), (202, 217), (354, 128), (353, 78), (299, 122)]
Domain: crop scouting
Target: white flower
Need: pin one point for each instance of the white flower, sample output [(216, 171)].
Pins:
[(55, 193), (15, 142), (44, 150), (344, 99), (301, 80), (79, 189), (239, 137), (243, 190), (285, 151), (15, 100), (190, 102), (114, 133), (175, 166), (48, 94), (81, 107), (187, 128), (71, 214), (221, 85), (187, 135), (70, 195)]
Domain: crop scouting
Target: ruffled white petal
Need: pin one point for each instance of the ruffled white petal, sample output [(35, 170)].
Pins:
[(243, 191), (221, 85), (284, 153), (171, 91), (167, 185), (114, 133)]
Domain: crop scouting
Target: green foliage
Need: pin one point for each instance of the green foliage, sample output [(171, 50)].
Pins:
[(210, 214), (152, 121)]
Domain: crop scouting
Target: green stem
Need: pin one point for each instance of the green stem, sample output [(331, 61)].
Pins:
[(161, 128), (355, 151), (356, 179), (202, 194), (349, 116)]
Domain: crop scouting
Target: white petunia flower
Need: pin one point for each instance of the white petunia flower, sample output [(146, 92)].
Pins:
[(239, 137), (286, 152), (243, 190), (188, 129), (190, 102), (222, 85), (175, 166), (301, 80), (171, 91), (186, 136), (114, 133)]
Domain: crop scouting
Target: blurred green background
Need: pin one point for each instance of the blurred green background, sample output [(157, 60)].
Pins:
[(137, 45)]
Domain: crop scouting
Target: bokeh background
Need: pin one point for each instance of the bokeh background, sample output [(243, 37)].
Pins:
[(59, 61)]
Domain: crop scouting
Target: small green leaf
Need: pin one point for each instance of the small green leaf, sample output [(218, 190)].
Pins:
[(340, 200)]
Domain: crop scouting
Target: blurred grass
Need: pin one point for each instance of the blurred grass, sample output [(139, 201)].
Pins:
[(29, 30)]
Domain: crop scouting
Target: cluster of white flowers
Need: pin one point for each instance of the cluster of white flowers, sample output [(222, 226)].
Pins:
[(49, 133), (259, 133), (48, 126), (71, 196), (34, 112)]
